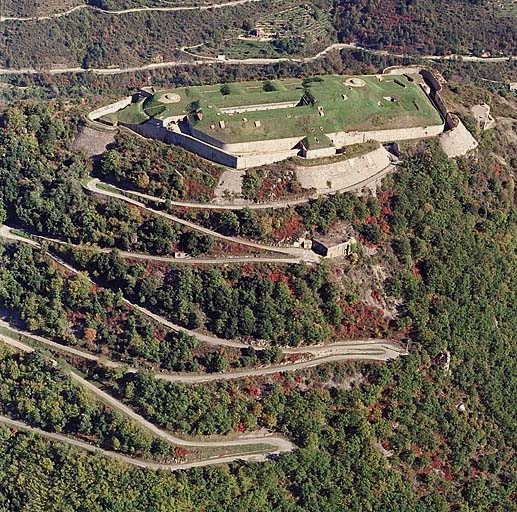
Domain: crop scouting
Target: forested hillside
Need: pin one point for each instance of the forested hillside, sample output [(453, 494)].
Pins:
[(408, 435), (91, 38), (439, 27)]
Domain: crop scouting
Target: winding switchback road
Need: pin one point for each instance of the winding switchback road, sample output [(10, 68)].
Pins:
[(6, 232), (93, 186), (364, 350), (279, 444), (129, 460), (381, 349), (301, 254)]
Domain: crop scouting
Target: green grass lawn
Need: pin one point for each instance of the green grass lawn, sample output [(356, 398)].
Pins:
[(132, 114), (393, 102)]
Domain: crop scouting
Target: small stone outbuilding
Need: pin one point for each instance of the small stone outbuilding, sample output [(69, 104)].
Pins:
[(333, 247)]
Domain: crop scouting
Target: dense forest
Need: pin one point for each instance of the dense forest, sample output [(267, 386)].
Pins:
[(438, 28), (41, 188), (287, 305), (39, 393), (449, 432), (91, 39), (81, 314), (159, 169)]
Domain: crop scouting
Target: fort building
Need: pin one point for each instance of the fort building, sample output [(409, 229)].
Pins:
[(334, 247), (249, 124)]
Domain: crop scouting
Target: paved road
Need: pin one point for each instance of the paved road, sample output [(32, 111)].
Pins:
[(302, 254), (54, 70), (127, 11)]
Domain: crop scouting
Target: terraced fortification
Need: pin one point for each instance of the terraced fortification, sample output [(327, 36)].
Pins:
[(255, 123)]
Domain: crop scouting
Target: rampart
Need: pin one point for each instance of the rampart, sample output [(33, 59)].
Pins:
[(185, 141), (348, 138), (458, 141), (257, 108), (436, 87), (345, 173), (243, 155), (253, 147), (110, 109), (153, 130), (339, 139)]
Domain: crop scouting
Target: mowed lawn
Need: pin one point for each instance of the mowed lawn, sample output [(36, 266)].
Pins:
[(390, 102)]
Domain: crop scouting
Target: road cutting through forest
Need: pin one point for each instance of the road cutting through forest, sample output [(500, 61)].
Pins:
[(278, 444), (371, 349), (200, 60)]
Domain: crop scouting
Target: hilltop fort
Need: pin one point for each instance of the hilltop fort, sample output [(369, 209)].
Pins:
[(248, 124)]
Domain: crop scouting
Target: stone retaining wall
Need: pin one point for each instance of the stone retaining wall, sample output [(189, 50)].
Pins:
[(458, 141), (110, 109), (253, 147), (153, 131), (340, 139), (345, 173)]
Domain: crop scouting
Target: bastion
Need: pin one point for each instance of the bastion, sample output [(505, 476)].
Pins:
[(249, 124)]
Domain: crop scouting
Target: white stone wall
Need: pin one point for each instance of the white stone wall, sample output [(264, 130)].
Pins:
[(256, 160), (110, 109), (320, 152), (242, 148), (345, 173), (185, 141), (458, 141), (339, 139), (356, 137)]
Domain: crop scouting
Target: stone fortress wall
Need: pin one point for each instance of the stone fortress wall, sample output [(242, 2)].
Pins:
[(110, 109), (256, 153), (348, 138), (154, 130), (259, 146), (345, 173), (437, 100)]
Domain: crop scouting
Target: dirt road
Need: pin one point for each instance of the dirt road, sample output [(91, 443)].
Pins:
[(302, 254), (278, 444), (207, 7), (94, 183), (353, 350), (55, 70), (4, 420)]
